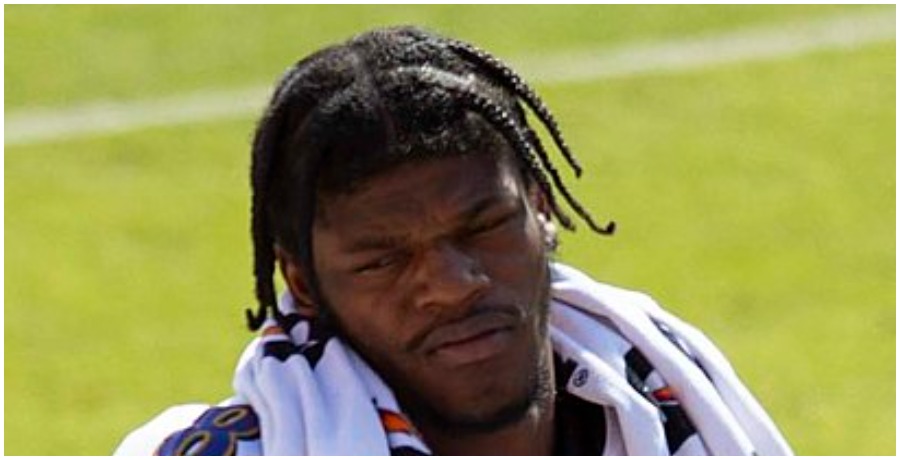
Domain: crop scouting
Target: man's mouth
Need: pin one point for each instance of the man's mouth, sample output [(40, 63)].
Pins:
[(473, 339)]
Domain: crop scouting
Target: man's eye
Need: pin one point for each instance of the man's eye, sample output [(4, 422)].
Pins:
[(484, 228), (490, 225), (379, 264)]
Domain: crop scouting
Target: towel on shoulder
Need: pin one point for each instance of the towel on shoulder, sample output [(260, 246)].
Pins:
[(665, 389)]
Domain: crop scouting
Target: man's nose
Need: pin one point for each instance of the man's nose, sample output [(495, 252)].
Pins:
[(450, 279)]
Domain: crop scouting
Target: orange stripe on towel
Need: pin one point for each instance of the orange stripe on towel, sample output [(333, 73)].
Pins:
[(272, 330), (394, 422)]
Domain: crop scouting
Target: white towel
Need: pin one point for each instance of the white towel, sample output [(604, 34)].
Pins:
[(321, 393), (666, 388), (728, 419)]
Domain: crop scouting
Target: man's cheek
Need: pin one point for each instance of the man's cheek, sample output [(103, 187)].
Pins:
[(371, 339)]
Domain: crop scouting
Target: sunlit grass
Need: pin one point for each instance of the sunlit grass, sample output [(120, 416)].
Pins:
[(755, 200)]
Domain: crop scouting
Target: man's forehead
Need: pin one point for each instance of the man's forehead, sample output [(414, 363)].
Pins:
[(455, 182)]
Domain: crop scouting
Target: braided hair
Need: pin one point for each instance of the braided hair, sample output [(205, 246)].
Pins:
[(383, 98)]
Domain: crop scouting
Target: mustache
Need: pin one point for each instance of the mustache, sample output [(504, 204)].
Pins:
[(481, 320)]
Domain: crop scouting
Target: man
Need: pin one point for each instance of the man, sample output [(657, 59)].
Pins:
[(410, 206)]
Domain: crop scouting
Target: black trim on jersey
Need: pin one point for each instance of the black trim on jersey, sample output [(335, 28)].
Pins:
[(563, 370), (677, 425), (580, 425)]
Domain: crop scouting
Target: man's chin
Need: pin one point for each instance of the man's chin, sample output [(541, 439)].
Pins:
[(488, 411)]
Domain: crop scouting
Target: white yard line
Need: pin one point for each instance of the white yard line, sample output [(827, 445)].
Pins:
[(29, 126), (747, 44)]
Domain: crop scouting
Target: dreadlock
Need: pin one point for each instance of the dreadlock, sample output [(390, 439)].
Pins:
[(385, 97)]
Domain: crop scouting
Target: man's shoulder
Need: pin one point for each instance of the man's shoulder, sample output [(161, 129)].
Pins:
[(195, 429)]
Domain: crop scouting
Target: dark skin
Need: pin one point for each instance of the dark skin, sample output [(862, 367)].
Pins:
[(437, 274)]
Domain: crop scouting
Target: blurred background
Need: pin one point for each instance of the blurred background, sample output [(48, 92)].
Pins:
[(746, 152)]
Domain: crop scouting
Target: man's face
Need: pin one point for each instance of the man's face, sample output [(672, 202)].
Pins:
[(437, 274)]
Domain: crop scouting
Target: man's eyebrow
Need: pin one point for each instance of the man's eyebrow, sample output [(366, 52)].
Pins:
[(482, 205), (374, 243), (388, 241)]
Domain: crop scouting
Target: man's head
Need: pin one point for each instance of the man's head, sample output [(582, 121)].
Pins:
[(408, 201)]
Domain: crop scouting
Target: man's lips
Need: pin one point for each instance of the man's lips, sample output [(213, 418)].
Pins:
[(471, 339)]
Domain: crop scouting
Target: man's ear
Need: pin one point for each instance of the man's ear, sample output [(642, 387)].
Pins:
[(539, 203), (538, 200), (541, 206), (292, 273)]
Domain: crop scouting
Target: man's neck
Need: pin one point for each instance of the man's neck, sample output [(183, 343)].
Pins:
[(532, 435)]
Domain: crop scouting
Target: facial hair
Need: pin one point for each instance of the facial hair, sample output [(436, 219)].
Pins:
[(540, 388)]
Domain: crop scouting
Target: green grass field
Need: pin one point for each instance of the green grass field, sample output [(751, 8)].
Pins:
[(755, 199)]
